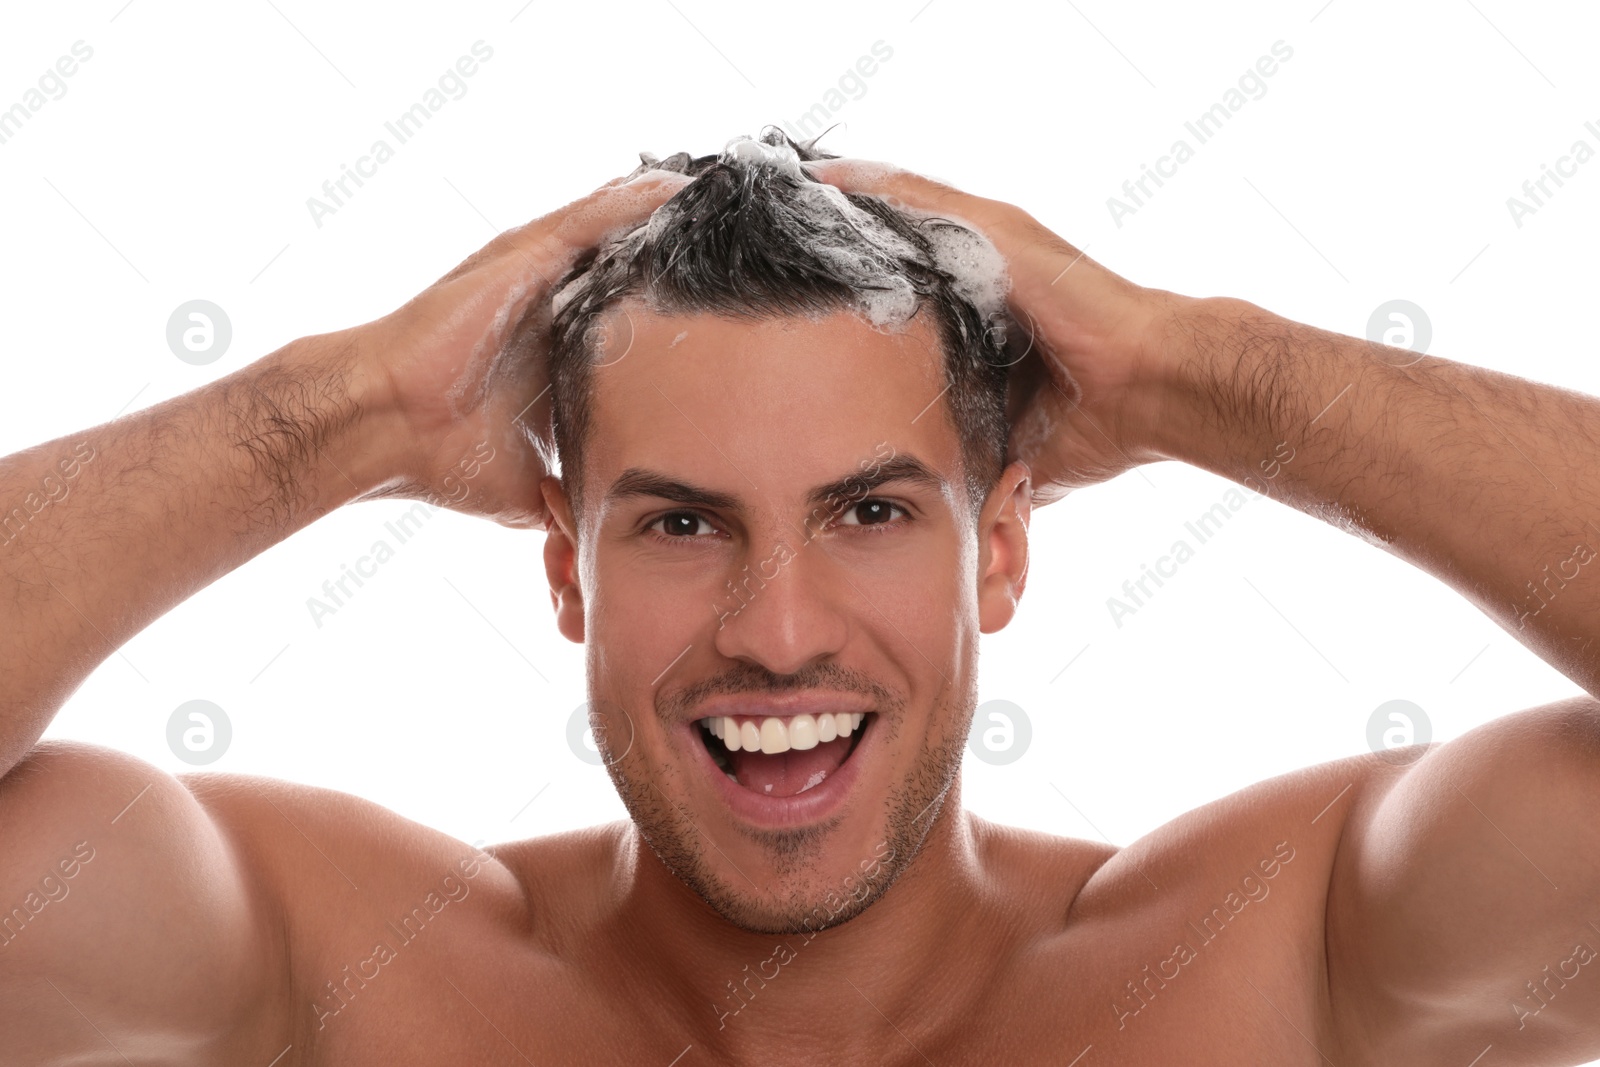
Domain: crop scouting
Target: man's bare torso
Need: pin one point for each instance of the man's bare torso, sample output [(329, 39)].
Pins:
[(1201, 943)]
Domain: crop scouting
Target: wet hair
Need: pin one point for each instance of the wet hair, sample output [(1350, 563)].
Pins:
[(755, 237)]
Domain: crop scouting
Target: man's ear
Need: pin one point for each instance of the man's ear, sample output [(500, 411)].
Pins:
[(561, 561), (1003, 547)]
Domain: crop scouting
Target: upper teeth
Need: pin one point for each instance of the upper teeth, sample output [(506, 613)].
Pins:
[(775, 735)]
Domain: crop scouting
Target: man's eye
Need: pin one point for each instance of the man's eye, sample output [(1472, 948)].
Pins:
[(680, 524), (870, 513)]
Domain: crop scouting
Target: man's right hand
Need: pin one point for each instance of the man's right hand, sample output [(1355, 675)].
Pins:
[(461, 367)]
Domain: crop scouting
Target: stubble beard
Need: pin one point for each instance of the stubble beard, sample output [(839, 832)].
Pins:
[(795, 903)]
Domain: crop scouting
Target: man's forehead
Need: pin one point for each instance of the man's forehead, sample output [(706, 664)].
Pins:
[(763, 345), (764, 406)]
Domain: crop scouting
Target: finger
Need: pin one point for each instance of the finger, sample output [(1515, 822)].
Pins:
[(608, 211), (887, 180), (546, 247), (634, 174), (1019, 237), (1010, 228)]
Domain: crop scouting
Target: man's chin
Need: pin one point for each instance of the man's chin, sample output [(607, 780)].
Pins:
[(803, 909), (798, 882)]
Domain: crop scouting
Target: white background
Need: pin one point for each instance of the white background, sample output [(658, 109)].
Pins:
[(1376, 166)]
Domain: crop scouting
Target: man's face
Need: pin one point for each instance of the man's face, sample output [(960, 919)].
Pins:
[(774, 525)]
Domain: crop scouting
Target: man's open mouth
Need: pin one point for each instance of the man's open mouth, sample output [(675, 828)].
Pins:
[(783, 757)]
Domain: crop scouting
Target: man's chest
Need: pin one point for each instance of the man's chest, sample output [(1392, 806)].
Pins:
[(1219, 986), (1204, 943)]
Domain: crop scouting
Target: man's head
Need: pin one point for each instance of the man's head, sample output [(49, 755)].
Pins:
[(783, 410), (756, 238)]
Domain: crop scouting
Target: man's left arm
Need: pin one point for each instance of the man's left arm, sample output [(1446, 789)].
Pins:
[(1488, 481), (1464, 907), (1464, 904)]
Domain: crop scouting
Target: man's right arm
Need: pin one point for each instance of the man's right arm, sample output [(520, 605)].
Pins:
[(154, 506), (103, 531), (130, 917), (126, 914)]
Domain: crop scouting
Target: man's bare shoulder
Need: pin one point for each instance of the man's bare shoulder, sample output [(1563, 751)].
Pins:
[(1241, 882), (569, 878), (315, 837), (1299, 814), (1279, 833), (348, 872), (1034, 866)]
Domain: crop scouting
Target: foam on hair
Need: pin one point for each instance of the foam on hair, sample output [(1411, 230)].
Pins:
[(853, 245)]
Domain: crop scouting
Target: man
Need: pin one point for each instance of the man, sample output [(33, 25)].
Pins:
[(786, 499)]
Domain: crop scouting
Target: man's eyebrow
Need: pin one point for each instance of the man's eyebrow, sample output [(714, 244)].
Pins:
[(637, 482), (902, 468)]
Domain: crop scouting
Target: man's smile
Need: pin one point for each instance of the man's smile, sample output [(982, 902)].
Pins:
[(783, 763)]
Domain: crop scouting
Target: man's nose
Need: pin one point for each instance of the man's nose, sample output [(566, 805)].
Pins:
[(782, 609)]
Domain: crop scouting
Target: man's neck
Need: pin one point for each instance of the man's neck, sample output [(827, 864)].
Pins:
[(735, 990)]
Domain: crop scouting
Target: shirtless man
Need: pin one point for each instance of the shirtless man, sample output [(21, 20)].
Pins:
[(1435, 908)]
